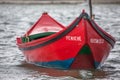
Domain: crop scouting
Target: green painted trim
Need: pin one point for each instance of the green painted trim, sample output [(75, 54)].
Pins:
[(85, 50), (36, 36)]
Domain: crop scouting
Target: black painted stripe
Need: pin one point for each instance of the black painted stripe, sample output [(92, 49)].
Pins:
[(57, 37), (105, 36), (83, 15)]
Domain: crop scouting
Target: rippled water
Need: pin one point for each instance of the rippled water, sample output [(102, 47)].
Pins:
[(16, 19)]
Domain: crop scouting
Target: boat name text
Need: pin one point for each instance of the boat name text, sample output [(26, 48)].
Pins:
[(73, 38)]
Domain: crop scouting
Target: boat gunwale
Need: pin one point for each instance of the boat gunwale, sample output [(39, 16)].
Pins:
[(64, 32), (60, 35), (102, 33)]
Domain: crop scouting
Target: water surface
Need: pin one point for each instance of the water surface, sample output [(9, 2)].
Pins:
[(16, 19)]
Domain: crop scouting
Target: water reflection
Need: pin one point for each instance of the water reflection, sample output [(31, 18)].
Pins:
[(79, 74)]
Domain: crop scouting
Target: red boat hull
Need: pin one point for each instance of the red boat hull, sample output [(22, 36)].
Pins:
[(82, 45)]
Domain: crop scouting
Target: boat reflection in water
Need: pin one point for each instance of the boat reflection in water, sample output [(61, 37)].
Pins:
[(78, 74)]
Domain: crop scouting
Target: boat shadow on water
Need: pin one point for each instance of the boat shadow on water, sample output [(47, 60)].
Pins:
[(78, 74)]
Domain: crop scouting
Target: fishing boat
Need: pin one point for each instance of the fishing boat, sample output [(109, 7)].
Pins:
[(81, 45)]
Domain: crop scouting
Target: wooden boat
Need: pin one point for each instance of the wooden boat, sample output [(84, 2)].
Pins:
[(81, 45)]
